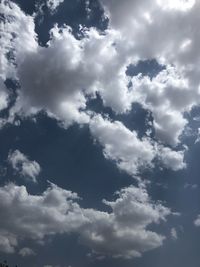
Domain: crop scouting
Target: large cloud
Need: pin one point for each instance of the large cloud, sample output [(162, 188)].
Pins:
[(121, 233), (168, 32), (59, 77)]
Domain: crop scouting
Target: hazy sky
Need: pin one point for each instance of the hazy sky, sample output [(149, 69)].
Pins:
[(100, 133)]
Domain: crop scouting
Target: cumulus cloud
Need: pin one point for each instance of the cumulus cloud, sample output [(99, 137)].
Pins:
[(59, 77), (65, 72), (25, 167), (197, 221), (121, 233), (24, 252), (128, 151), (171, 159), (157, 23), (122, 145)]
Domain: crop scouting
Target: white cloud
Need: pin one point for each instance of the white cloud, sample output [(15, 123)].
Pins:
[(154, 26), (24, 252), (168, 97), (128, 151), (121, 233), (197, 221), (174, 234), (65, 72), (25, 167), (58, 78), (122, 145), (171, 159)]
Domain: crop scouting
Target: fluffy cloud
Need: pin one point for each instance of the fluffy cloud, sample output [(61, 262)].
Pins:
[(122, 145), (65, 72), (166, 25), (59, 77), (121, 233), (128, 151), (168, 97), (18, 37), (25, 167), (171, 159)]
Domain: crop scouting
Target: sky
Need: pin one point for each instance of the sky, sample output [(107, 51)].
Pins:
[(100, 133)]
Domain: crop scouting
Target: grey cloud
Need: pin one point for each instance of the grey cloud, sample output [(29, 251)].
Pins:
[(24, 252), (25, 167)]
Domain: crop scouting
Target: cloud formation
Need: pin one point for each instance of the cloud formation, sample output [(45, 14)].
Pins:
[(65, 72), (60, 77), (121, 233), (170, 27), (28, 169), (128, 151)]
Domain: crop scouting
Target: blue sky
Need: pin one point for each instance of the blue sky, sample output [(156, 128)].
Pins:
[(99, 133)]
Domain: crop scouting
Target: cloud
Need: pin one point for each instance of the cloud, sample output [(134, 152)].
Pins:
[(197, 221), (25, 167), (122, 145), (128, 151), (24, 252), (174, 235), (63, 74), (121, 233), (176, 89), (7, 242), (167, 95), (60, 77), (53, 4), (171, 159)]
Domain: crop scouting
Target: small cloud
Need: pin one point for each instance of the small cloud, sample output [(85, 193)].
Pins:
[(174, 235), (190, 186), (25, 167), (197, 221), (24, 252)]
